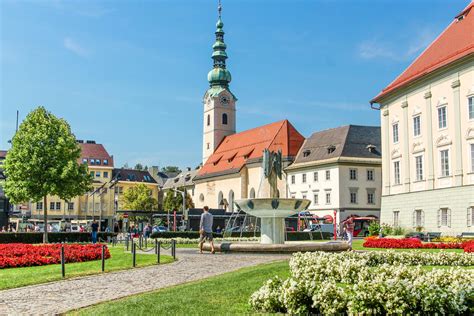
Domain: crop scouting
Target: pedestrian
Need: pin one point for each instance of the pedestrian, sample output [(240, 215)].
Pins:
[(218, 229), (95, 229), (116, 228), (205, 229), (349, 228)]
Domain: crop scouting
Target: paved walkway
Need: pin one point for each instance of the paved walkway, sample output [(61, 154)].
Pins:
[(59, 297)]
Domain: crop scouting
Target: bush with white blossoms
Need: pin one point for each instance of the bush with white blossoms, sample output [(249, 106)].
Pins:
[(371, 283)]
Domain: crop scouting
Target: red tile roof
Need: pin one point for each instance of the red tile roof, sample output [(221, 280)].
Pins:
[(236, 150), (95, 151), (455, 42)]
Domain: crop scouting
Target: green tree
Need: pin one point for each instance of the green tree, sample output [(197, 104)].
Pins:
[(174, 201), (172, 169), (138, 166), (139, 198), (43, 160)]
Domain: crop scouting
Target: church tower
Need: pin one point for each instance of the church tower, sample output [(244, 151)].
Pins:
[(219, 102)]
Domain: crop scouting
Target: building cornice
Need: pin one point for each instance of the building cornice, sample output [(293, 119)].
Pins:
[(338, 160)]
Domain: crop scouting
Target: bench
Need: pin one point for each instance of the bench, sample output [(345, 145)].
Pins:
[(467, 235), (432, 235)]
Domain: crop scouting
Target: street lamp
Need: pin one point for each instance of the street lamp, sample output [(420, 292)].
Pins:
[(183, 193)]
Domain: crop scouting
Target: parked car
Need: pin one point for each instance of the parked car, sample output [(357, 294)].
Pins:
[(159, 229)]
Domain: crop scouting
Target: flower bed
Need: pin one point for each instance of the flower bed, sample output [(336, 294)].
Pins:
[(27, 255), (370, 283), (415, 243)]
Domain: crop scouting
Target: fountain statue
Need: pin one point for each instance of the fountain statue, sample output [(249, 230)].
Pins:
[(273, 210)]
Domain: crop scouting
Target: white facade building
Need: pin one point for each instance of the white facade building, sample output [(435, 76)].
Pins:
[(339, 170), (427, 117)]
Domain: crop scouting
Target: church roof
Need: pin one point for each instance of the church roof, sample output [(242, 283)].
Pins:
[(238, 149), (454, 43)]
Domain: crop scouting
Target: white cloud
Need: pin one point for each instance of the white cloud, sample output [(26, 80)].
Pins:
[(402, 49), (74, 47)]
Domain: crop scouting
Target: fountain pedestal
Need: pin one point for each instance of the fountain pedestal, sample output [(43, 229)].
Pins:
[(272, 230)]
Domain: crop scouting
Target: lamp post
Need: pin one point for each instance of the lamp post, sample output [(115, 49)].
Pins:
[(183, 194)]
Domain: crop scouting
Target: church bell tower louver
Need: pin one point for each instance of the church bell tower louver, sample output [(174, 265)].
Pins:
[(219, 102)]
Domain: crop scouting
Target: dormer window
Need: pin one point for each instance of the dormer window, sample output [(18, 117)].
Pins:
[(331, 149), (231, 158), (106, 162), (97, 161), (306, 153), (176, 180), (371, 148), (92, 161), (84, 160), (247, 154)]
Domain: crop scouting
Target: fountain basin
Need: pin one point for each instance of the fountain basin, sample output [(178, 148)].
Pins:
[(331, 246), (272, 212)]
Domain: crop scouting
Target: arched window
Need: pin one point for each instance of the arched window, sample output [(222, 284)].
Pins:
[(231, 201), (201, 197), (252, 193), (224, 119), (208, 120)]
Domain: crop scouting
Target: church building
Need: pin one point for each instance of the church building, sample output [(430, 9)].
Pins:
[(232, 161)]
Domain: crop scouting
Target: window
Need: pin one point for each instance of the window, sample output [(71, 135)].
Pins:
[(396, 215), (97, 161), (396, 172), (293, 196), (70, 206), (84, 160), (39, 205), (106, 174), (92, 161), (370, 198), (293, 179), (444, 159), (224, 119), (97, 174), (304, 196), (419, 168), (303, 179), (51, 205), (370, 175), (353, 197), (106, 162), (328, 174), (470, 216), (208, 120), (208, 146), (417, 126), (444, 216), (306, 153), (395, 132), (91, 173), (472, 157), (353, 174), (418, 218), (120, 190), (470, 109), (316, 198), (328, 197), (331, 149), (315, 175), (442, 117)]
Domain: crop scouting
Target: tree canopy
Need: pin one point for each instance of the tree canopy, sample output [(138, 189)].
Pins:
[(139, 198), (173, 169), (174, 201), (43, 160)]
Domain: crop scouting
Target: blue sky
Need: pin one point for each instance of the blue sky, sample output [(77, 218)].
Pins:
[(131, 74)]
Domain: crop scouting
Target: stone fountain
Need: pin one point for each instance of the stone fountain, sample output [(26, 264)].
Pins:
[(272, 212)]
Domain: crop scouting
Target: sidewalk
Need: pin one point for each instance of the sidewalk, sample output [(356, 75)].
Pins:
[(62, 296)]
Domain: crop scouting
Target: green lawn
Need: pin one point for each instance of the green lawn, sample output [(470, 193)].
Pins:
[(226, 294), (16, 277), (357, 245)]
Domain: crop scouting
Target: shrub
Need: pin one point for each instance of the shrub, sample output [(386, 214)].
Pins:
[(374, 228), (398, 231), (415, 243), (370, 283), (37, 238)]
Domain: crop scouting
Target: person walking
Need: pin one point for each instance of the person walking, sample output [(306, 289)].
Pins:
[(205, 229), (95, 230), (349, 228)]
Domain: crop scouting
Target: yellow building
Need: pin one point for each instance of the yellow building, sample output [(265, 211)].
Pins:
[(107, 186)]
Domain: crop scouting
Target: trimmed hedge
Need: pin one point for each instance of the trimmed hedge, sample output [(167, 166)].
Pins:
[(291, 236), (37, 238)]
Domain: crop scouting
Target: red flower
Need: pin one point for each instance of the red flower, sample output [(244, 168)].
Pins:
[(415, 243)]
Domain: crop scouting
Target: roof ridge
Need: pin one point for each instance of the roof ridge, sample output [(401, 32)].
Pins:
[(344, 143), (256, 128)]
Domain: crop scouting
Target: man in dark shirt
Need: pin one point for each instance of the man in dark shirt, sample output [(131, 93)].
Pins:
[(95, 229), (205, 229)]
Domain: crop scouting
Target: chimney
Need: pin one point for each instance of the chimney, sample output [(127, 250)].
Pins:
[(90, 141), (188, 168)]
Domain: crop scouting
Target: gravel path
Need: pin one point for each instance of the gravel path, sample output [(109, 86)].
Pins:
[(59, 297)]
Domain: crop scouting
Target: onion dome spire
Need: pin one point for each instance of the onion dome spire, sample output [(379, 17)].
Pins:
[(219, 75)]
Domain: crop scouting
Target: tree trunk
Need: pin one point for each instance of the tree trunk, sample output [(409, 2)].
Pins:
[(45, 220)]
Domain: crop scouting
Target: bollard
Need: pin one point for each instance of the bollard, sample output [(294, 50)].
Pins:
[(140, 241), (63, 267), (158, 251), (134, 252), (103, 258), (126, 241), (146, 243), (156, 247), (173, 249)]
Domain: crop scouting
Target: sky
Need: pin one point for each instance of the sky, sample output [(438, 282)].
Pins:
[(131, 74)]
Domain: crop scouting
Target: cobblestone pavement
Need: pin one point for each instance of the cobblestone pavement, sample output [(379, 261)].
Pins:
[(61, 296)]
